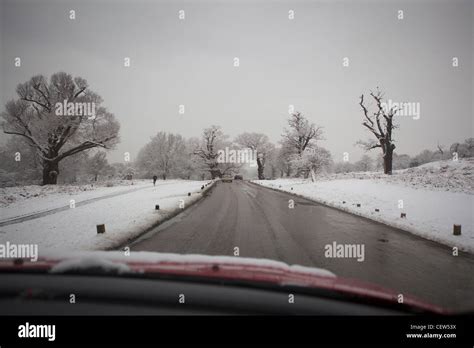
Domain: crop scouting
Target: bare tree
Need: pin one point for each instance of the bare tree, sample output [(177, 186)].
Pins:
[(440, 149), (56, 137), (301, 134), (213, 140), (260, 144), (380, 124), (207, 150)]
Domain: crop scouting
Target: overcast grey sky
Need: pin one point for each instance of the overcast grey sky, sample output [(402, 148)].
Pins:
[(282, 62)]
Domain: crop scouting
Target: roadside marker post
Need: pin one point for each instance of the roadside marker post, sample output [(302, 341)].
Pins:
[(457, 230)]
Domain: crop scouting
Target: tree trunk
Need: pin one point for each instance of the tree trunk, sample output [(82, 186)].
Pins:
[(313, 175), (388, 159), (261, 168), (50, 172)]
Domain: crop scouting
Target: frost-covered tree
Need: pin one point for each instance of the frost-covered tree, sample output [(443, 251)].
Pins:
[(74, 169), (312, 161), (470, 146), (162, 155), (299, 136), (282, 161), (343, 167), (207, 150), (259, 143), (98, 165), (272, 168), (19, 163), (463, 150), (423, 157), (401, 161), (120, 170), (33, 115), (365, 164), (187, 165)]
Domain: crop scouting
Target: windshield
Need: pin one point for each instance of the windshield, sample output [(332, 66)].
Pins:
[(313, 144)]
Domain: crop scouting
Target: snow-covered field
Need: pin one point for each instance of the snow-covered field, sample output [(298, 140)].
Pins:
[(125, 215), (435, 197), (24, 200), (453, 176)]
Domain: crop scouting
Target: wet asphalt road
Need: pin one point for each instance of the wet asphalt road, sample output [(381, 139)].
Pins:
[(259, 222)]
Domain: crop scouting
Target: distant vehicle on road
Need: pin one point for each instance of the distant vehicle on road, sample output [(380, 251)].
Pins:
[(226, 178), (238, 177)]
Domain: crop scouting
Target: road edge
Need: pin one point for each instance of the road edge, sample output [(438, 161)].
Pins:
[(448, 246), (129, 241)]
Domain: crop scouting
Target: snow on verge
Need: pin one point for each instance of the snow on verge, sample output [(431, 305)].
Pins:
[(125, 217)]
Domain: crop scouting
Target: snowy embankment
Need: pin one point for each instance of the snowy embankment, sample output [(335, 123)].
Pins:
[(126, 211), (434, 197)]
